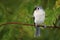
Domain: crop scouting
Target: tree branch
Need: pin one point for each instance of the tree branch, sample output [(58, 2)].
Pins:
[(27, 24)]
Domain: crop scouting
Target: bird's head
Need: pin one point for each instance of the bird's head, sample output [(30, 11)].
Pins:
[(38, 8)]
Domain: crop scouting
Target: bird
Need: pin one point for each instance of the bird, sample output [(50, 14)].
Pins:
[(39, 17)]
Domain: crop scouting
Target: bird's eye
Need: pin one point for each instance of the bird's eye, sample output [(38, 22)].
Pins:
[(38, 8)]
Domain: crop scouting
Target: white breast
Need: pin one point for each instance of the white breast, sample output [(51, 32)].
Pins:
[(39, 16)]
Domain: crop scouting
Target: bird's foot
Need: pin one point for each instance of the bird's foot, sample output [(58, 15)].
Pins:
[(44, 26)]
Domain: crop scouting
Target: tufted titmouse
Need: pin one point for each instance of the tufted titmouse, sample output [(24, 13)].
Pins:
[(39, 17)]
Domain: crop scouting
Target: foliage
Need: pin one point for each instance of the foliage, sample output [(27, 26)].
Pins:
[(21, 11)]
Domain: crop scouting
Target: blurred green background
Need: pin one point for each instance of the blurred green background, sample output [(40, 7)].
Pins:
[(21, 11)]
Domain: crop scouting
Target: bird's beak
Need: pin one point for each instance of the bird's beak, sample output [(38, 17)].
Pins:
[(35, 8)]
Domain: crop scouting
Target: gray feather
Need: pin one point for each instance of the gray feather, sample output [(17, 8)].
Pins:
[(37, 33)]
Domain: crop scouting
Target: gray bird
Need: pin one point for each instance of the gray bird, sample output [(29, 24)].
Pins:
[(39, 17)]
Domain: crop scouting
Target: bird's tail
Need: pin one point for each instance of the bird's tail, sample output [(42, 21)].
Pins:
[(37, 32)]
